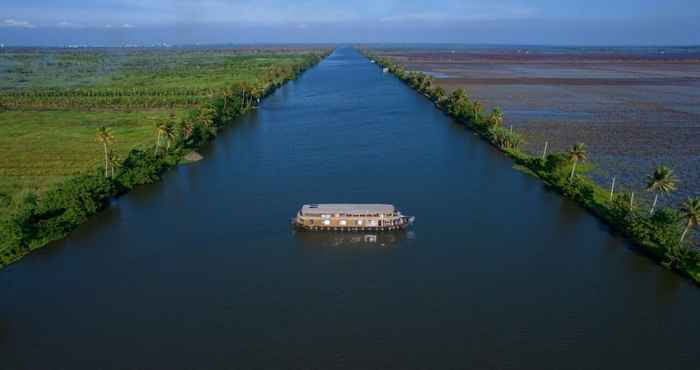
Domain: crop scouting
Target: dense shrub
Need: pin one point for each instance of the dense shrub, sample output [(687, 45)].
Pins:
[(658, 235), (29, 222)]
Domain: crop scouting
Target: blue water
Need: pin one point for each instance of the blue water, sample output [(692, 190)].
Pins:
[(202, 271)]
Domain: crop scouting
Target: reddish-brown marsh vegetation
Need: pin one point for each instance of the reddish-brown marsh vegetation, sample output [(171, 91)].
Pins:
[(634, 108)]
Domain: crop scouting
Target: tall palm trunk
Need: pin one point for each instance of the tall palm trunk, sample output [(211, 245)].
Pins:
[(687, 227), (157, 144), (106, 160), (573, 171), (653, 205)]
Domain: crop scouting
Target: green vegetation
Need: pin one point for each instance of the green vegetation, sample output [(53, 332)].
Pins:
[(41, 149), (659, 234), (133, 79), (61, 166), (661, 181)]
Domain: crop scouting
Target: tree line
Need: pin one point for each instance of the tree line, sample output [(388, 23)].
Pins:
[(33, 220), (661, 233)]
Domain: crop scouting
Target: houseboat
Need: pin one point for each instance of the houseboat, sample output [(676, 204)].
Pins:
[(351, 217)]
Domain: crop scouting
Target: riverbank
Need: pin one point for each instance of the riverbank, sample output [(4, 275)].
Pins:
[(202, 270), (657, 234), (31, 220), (635, 108)]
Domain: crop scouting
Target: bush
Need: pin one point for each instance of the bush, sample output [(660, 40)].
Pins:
[(31, 221), (140, 167), (658, 234)]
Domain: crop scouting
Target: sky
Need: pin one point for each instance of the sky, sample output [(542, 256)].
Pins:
[(531, 22)]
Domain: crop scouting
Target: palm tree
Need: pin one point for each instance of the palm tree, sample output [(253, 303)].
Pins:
[(690, 211), (114, 161), (160, 130), (438, 93), (576, 153), (496, 117), (187, 129), (661, 181), (244, 88), (227, 94), (476, 110), (106, 137), (206, 116), (170, 135)]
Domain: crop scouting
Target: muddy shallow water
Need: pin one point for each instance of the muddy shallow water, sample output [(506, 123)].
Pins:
[(634, 109)]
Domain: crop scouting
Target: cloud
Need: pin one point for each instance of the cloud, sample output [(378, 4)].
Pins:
[(13, 23), (125, 25), (65, 24), (462, 13)]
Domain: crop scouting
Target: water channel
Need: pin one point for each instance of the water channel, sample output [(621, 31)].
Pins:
[(202, 270)]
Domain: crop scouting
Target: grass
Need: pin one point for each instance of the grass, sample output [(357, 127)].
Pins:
[(40, 149), (121, 79), (50, 155), (53, 100)]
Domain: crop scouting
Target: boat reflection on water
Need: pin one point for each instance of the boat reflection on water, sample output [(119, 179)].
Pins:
[(353, 239)]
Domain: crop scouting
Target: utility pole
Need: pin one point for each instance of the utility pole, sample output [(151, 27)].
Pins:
[(544, 152), (612, 188)]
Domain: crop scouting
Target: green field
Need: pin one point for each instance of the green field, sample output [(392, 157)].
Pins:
[(53, 100), (130, 79), (40, 149)]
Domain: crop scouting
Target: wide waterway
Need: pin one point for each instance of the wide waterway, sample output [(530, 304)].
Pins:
[(202, 270)]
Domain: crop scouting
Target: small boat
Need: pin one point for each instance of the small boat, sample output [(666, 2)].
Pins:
[(351, 217), (385, 70)]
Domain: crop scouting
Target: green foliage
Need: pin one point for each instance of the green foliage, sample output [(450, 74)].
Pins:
[(29, 221), (138, 79), (659, 234), (503, 138)]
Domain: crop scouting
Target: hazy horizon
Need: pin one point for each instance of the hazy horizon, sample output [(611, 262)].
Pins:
[(500, 22)]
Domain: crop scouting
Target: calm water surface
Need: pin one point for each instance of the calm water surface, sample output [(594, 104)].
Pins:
[(202, 271)]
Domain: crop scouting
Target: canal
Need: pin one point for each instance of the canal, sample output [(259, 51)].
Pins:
[(202, 270)]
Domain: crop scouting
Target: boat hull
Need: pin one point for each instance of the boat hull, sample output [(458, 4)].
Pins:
[(408, 221)]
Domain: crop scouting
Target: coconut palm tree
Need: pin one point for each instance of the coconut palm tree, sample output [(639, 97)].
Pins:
[(160, 130), (577, 153), (206, 116), (227, 94), (476, 110), (438, 93), (496, 117), (187, 129), (690, 211), (170, 135), (114, 161), (106, 137), (662, 181)]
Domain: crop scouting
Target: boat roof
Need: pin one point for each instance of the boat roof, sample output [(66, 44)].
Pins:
[(353, 208)]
